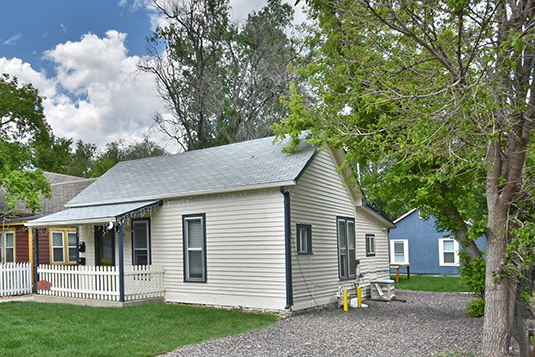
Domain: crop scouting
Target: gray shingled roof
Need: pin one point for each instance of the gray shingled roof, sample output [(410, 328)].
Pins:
[(255, 163)]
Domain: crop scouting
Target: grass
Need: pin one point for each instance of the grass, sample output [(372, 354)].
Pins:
[(38, 329), (431, 283)]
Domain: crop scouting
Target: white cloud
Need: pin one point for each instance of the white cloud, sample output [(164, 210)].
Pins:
[(13, 39), (97, 94)]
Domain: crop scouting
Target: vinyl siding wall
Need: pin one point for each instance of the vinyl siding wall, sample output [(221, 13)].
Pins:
[(318, 199), (244, 249)]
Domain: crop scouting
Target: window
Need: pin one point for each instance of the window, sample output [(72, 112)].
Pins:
[(448, 252), (304, 239), (370, 245), (399, 251), (141, 242), (194, 234), (64, 246), (58, 254), (72, 247), (7, 247), (346, 248)]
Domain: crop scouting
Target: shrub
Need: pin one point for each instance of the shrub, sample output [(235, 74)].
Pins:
[(476, 308)]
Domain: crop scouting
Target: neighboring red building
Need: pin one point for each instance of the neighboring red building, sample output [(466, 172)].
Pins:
[(56, 246)]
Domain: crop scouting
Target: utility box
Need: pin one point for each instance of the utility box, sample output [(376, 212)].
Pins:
[(382, 290)]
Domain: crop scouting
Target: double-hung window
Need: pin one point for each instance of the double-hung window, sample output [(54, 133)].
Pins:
[(7, 247), (346, 248), (448, 252), (399, 251), (194, 240), (64, 247), (141, 242), (370, 245), (304, 239)]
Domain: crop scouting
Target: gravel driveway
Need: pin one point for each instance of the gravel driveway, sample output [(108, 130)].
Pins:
[(427, 323)]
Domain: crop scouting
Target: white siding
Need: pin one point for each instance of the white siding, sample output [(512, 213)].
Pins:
[(244, 249), (319, 197)]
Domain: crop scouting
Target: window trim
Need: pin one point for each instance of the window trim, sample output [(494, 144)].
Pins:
[(405, 251), (308, 230), (370, 238), (441, 252), (52, 246), (65, 245), (348, 275), (4, 247), (185, 249), (149, 242), (67, 232)]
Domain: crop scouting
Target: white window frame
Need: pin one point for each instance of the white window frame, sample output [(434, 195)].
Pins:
[(370, 245), (405, 243), (304, 238), (441, 252), (70, 246), (185, 222), (4, 247), (53, 247)]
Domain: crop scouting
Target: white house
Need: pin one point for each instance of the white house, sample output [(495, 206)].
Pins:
[(237, 225)]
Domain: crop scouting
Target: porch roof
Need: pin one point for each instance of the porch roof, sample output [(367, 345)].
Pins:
[(97, 214)]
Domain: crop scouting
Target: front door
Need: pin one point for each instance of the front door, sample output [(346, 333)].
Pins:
[(104, 246)]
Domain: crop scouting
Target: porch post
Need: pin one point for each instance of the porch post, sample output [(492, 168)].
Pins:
[(36, 261), (121, 263)]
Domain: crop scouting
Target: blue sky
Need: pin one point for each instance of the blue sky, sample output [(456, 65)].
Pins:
[(82, 56)]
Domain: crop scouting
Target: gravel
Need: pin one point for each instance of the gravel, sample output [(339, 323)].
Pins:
[(425, 324)]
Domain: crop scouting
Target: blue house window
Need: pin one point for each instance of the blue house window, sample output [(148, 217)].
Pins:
[(346, 248), (370, 245), (194, 238), (304, 239)]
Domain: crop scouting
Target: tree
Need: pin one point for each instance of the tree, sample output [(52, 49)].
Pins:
[(21, 122), (117, 151), (221, 81), (442, 90)]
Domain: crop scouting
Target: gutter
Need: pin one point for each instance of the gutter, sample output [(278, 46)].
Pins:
[(287, 248)]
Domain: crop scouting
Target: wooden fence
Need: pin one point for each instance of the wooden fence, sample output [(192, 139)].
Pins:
[(101, 282), (15, 279)]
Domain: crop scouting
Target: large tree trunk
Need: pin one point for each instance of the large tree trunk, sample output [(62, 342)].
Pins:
[(500, 298), (500, 287)]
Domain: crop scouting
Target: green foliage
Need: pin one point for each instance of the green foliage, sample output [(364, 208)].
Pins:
[(473, 273), (222, 80), (22, 123), (476, 308), (38, 329)]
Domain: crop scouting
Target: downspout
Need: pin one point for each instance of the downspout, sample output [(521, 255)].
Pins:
[(288, 248)]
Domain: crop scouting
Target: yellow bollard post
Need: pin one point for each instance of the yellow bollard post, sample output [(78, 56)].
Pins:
[(359, 296), (345, 301)]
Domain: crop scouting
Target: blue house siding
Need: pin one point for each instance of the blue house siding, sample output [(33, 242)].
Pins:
[(423, 244)]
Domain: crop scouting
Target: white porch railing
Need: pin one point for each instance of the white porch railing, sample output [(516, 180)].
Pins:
[(101, 282), (15, 279)]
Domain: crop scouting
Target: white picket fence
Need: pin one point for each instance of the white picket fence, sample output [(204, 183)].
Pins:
[(102, 282), (15, 279)]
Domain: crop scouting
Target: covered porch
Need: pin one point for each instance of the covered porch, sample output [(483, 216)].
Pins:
[(100, 275)]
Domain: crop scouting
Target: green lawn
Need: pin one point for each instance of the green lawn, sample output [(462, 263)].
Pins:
[(430, 283), (37, 329)]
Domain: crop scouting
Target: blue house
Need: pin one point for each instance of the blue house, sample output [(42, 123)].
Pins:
[(416, 241)]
